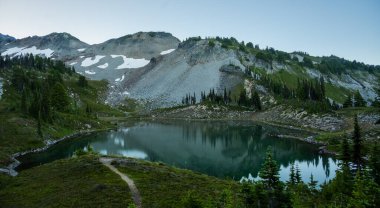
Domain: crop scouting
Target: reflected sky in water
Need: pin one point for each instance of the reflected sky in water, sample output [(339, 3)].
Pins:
[(225, 149)]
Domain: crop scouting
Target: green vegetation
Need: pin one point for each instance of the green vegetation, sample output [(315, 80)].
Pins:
[(164, 186), (75, 182), (44, 99)]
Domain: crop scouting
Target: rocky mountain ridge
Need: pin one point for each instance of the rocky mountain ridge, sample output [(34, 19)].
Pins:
[(158, 69)]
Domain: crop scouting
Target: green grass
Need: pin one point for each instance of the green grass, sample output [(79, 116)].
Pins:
[(75, 182), (164, 186), (336, 93)]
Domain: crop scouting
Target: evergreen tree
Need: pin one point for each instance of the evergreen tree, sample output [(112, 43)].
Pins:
[(256, 100), (59, 98), (292, 176), (348, 102), (298, 175), (247, 191), (345, 155), (365, 192), (82, 82), (269, 172), (312, 184), (374, 163), (359, 101), (357, 148)]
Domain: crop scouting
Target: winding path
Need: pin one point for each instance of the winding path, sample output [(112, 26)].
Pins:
[(135, 192)]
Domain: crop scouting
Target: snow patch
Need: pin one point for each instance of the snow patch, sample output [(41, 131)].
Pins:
[(167, 51), (103, 66), (125, 93), (32, 50), (89, 72), (11, 51), (131, 63), (120, 79), (81, 49), (73, 63), (91, 61), (81, 56)]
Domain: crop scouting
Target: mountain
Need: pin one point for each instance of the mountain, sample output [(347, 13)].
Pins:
[(5, 39), (111, 59), (55, 45), (159, 70)]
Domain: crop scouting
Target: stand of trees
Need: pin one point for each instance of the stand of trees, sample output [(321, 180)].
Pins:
[(39, 84), (225, 99), (355, 100)]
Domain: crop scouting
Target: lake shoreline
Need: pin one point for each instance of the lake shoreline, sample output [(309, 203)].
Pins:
[(10, 169), (313, 133)]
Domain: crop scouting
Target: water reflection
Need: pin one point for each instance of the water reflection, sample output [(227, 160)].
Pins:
[(219, 148)]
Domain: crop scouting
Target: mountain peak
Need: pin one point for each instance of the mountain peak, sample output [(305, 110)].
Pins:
[(4, 39)]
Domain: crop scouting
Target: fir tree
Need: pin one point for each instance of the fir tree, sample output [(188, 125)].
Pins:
[(357, 148), (269, 172), (312, 184), (348, 102), (374, 163), (82, 82), (359, 101), (292, 175), (59, 97), (298, 175), (256, 100), (345, 155)]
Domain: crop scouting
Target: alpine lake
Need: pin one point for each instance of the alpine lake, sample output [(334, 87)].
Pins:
[(224, 149)]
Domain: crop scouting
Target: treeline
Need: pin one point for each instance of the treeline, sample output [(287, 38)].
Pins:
[(338, 65), (36, 63), (309, 94), (225, 98)]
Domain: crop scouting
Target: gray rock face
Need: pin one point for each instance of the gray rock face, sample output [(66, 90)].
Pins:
[(192, 68)]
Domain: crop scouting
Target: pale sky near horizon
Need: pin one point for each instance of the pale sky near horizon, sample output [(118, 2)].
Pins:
[(346, 28)]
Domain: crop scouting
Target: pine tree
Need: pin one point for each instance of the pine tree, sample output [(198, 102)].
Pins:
[(345, 155), (323, 89), (312, 184), (292, 176), (374, 163), (298, 175), (348, 102), (357, 148), (59, 97), (359, 101), (269, 172), (82, 82), (365, 192), (256, 100)]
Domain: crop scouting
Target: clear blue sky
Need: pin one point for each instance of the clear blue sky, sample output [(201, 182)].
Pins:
[(346, 28)]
